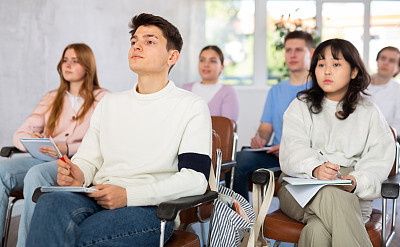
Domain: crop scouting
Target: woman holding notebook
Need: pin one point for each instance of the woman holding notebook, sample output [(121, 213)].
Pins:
[(331, 131), (62, 114)]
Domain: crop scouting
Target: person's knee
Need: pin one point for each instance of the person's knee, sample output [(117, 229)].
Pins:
[(33, 176), (315, 229)]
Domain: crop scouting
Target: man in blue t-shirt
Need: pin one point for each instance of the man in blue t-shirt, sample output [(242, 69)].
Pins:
[(298, 52)]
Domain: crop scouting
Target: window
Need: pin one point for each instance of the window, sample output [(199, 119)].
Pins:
[(233, 24), (286, 16), (230, 25), (385, 28)]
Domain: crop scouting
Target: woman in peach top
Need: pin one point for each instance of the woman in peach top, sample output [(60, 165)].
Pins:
[(63, 114)]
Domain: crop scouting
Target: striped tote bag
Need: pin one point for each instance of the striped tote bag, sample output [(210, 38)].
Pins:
[(232, 219)]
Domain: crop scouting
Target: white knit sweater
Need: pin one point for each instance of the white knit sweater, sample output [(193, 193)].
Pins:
[(134, 141)]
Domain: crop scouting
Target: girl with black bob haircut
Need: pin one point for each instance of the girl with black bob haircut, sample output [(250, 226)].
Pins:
[(330, 132), (358, 85)]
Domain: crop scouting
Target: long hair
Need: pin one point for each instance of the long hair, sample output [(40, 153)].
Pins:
[(87, 61), (358, 85)]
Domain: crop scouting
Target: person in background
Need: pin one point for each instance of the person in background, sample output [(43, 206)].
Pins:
[(144, 146), (222, 99), (330, 131), (298, 52), (64, 115), (384, 90)]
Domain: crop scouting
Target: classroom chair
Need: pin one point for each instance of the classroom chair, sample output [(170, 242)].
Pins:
[(8, 152), (281, 228), (226, 130)]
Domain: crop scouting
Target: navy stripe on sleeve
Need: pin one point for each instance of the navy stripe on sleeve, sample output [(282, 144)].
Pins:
[(198, 162)]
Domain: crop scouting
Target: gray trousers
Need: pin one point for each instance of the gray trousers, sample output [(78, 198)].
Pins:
[(332, 217)]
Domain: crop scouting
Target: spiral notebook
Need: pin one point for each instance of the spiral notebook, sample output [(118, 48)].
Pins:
[(32, 146)]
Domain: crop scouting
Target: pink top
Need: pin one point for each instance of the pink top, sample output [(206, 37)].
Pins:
[(224, 103), (68, 130)]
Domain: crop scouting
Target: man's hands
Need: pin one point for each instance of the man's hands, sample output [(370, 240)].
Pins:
[(258, 142), (274, 150), (69, 174), (110, 196)]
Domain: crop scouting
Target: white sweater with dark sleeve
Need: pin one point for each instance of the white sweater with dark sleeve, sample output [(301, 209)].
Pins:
[(157, 146), (363, 141)]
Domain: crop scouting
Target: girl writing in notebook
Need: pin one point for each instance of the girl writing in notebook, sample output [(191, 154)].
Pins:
[(64, 115), (331, 131)]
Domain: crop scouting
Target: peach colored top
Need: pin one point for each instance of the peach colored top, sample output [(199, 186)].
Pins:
[(68, 130)]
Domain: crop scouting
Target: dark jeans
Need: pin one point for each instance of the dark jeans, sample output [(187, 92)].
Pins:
[(73, 219), (247, 162)]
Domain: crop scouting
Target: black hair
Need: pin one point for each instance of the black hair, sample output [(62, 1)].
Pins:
[(358, 85)]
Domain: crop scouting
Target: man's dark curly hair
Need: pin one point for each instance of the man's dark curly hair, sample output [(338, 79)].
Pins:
[(170, 32)]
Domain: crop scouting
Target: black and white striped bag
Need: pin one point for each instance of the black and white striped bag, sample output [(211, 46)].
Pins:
[(229, 228)]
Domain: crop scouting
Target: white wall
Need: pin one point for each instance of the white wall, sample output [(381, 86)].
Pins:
[(33, 35), (251, 101)]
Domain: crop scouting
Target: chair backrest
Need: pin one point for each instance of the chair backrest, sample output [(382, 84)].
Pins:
[(226, 129), (395, 168), (202, 213)]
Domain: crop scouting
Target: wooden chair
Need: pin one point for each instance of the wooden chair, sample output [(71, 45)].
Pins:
[(8, 152), (226, 130), (281, 228)]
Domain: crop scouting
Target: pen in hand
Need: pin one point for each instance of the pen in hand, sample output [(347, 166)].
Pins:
[(339, 175)]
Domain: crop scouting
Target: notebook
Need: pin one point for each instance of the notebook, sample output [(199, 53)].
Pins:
[(32, 146), (67, 189)]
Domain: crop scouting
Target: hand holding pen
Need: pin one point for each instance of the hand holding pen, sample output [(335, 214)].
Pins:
[(257, 141), (69, 174), (36, 133), (327, 171)]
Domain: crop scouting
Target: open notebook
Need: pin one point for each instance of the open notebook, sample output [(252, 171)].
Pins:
[(32, 146), (304, 189)]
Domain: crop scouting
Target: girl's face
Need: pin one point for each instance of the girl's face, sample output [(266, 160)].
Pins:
[(210, 66), (334, 75), (72, 70)]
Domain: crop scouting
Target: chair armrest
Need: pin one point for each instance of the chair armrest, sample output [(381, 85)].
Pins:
[(228, 164), (262, 176), (245, 147), (169, 210), (390, 187), (9, 151), (37, 193)]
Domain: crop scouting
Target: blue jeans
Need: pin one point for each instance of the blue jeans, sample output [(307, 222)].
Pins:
[(247, 162), (73, 219), (40, 175), (12, 175)]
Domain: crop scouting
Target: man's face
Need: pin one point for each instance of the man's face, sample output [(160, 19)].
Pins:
[(148, 52), (388, 63), (297, 55)]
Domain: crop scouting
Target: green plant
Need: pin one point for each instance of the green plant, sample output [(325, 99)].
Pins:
[(283, 27)]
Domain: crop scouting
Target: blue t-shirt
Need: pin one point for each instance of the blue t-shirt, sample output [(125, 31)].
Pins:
[(278, 100)]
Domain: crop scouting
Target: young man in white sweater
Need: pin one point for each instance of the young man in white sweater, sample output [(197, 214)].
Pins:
[(384, 90), (144, 146)]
